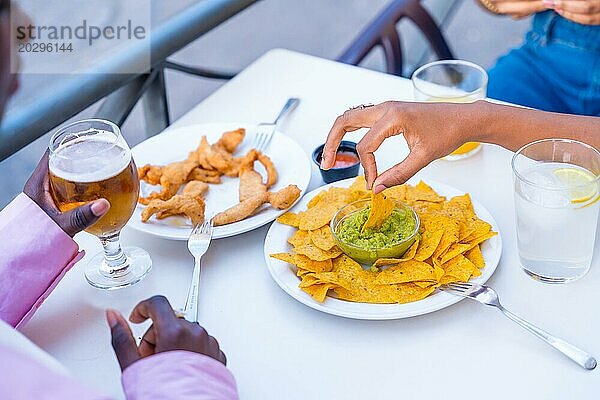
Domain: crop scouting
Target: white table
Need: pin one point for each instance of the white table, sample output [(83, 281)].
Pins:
[(280, 349)]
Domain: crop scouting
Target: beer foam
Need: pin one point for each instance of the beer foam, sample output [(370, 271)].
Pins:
[(89, 160)]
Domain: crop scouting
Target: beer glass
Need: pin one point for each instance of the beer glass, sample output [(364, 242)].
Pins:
[(90, 160), (451, 81)]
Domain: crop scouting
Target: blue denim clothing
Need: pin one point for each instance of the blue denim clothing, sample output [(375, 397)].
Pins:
[(556, 69)]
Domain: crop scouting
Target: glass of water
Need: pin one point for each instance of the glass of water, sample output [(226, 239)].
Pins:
[(557, 200), (451, 81)]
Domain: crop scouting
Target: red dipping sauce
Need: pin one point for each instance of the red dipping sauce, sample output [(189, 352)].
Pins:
[(345, 159)]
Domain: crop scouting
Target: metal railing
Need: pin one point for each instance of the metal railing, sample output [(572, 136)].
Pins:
[(79, 91)]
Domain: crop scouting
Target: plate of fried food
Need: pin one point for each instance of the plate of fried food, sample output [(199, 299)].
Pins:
[(195, 172), (344, 251)]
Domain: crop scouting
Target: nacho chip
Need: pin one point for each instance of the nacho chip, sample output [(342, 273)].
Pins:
[(322, 238), (381, 209), (358, 190), (454, 250), (458, 269), (289, 218), (314, 253), (304, 263), (475, 256), (478, 228), (318, 292), (407, 271), (423, 192), (430, 240), (425, 284), (299, 238), (397, 193), (481, 239), (317, 216), (409, 255)]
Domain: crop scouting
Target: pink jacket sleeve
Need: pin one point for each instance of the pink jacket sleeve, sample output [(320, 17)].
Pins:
[(35, 254), (178, 375)]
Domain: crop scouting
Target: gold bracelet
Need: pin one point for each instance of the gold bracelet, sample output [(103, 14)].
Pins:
[(492, 7)]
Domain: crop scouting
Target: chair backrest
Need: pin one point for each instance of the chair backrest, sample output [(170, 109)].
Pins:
[(382, 32)]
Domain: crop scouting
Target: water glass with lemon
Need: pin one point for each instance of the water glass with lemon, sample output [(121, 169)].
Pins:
[(451, 81), (557, 201)]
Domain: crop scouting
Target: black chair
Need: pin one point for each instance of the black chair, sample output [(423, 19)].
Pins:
[(382, 32)]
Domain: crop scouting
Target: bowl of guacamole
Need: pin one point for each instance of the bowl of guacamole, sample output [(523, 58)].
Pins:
[(390, 240)]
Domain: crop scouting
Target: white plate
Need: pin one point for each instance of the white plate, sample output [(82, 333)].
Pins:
[(292, 163), (283, 273)]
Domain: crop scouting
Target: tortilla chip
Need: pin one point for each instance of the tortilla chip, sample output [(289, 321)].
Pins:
[(289, 218), (423, 192), (322, 238), (458, 269), (426, 284), (478, 228), (397, 193), (430, 240), (358, 190), (317, 216), (407, 271), (314, 253), (381, 209), (481, 239), (299, 238), (304, 263), (475, 256), (455, 250), (409, 255), (318, 292)]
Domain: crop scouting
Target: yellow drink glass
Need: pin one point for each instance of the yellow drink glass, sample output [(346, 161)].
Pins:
[(451, 81)]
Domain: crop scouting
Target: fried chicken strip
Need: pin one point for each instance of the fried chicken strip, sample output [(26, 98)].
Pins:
[(173, 176), (150, 173), (189, 203), (204, 175), (282, 199), (231, 140)]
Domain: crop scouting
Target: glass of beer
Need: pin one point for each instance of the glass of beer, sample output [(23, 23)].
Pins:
[(451, 81), (90, 160)]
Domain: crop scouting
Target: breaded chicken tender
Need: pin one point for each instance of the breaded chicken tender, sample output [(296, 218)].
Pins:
[(190, 203), (282, 199), (231, 140), (173, 176)]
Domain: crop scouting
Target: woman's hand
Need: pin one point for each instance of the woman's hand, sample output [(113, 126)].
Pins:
[(432, 130), (166, 333), (72, 221), (585, 12), (516, 8)]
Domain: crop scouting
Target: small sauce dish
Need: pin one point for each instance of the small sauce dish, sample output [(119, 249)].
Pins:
[(347, 162)]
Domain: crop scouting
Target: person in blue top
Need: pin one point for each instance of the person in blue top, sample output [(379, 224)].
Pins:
[(558, 66)]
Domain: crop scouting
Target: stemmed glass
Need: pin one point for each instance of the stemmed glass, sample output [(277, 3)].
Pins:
[(90, 160)]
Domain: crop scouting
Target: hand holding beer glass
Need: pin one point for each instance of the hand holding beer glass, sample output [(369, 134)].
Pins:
[(90, 160)]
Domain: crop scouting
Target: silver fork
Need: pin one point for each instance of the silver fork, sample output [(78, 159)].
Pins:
[(197, 245), (488, 296), (265, 130)]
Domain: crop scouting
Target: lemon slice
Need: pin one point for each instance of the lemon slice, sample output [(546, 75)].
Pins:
[(578, 181)]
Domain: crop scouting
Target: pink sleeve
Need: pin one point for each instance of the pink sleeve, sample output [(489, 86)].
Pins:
[(24, 378), (35, 254), (179, 375)]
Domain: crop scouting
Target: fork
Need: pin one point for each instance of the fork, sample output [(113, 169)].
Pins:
[(265, 130), (197, 245), (488, 296)]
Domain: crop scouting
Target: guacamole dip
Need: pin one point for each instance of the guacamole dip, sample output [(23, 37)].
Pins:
[(399, 226)]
